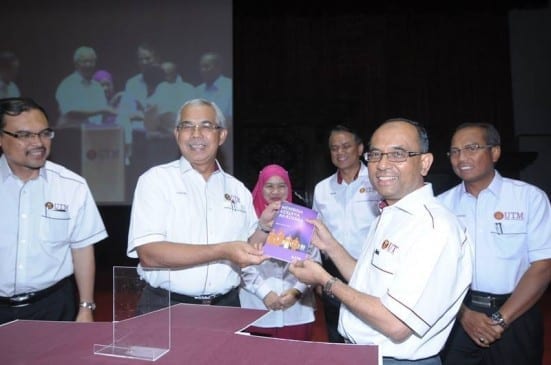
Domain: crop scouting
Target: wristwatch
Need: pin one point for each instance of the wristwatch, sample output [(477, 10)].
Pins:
[(328, 286), (89, 305), (497, 318), (266, 230)]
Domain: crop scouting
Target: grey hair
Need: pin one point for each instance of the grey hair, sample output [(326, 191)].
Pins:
[(81, 51), (220, 119)]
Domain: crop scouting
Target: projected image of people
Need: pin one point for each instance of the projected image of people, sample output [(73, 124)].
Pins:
[(80, 98), (218, 88), (9, 67), (114, 83)]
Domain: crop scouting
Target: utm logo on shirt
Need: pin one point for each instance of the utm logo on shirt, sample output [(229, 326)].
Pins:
[(389, 246), (509, 216), (59, 207)]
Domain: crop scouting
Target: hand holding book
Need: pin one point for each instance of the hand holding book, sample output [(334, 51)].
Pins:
[(291, 235)]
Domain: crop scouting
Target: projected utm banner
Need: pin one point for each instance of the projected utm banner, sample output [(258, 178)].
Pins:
[(103, 162)]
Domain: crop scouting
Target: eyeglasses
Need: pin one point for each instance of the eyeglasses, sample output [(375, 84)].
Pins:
[(27, 136), (393, 156), (469, 149), (205, 126)]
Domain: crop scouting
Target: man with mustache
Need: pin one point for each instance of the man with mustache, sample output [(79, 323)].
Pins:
[(49, 224), (500, 321), (406, 286), (190, 216)]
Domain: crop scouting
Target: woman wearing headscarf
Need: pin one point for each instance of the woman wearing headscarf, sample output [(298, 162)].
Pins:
[(270, 285)]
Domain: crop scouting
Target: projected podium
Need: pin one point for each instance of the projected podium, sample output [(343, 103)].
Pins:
[(102, 161)]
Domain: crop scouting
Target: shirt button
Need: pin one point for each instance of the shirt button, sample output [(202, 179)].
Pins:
[(24, 216)]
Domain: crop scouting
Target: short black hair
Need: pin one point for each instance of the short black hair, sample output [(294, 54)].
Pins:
[(344, 128), (15, 106)]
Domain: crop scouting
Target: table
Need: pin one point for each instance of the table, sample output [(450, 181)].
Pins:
[(200, 335)]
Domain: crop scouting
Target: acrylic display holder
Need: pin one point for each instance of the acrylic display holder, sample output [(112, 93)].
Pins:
[(141, 329)]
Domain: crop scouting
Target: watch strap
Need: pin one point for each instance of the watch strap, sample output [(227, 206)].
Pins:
[(88, 305)]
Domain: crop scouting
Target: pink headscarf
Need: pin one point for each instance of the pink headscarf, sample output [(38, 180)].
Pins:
[(267, 172)]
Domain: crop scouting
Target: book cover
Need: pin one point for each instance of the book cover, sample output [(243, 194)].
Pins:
[(290, 238)]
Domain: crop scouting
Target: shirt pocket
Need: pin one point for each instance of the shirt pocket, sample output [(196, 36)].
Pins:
[(509, 238), (383, 261), (54, 226)]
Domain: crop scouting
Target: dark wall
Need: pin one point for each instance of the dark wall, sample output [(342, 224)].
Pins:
[(299, 71)]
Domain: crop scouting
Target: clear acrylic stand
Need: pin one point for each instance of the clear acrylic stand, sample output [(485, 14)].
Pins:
[(141, 328)]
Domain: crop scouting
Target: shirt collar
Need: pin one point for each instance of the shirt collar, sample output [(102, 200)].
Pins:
[(5, 170), (186, 167), (494, 188), (415, 200), (360, 170)]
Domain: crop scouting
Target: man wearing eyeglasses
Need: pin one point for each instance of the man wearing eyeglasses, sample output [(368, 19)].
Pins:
[(408, 283), (48, 226), (192, 217), (509, 221)]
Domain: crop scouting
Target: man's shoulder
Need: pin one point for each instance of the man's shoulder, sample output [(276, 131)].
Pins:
[(325, 181), (449, 193), (172, 167), (57, 171), (69, 79), (519, 190), (224, 81), (133, 80), (235, 182)]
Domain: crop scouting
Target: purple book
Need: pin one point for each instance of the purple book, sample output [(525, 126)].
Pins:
[(291, 235)]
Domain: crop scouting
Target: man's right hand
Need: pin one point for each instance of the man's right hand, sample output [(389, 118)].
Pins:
[(243, 254)]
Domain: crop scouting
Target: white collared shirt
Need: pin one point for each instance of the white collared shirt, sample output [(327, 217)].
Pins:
[(174, 203), (41, 221), (136, 88), (417, 260), (347, 209), (221, 92), (510, 225), (170, 96), (77, 93)]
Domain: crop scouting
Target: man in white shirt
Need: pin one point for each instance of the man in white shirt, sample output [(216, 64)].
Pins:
[(191, 216), (49, 224), (509, 221), (407, 285), (347, 205), (135, 88), (168, 97), (80, 98)]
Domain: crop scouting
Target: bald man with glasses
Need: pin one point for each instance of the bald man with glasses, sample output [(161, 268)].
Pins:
[(406, 286)]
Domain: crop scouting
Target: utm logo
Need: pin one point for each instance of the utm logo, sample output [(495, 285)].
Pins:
[(389, 246), (509, 216)]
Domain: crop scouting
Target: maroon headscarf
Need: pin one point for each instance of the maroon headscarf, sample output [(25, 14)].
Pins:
[(267, 172)]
